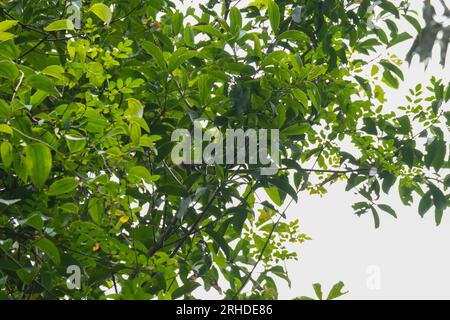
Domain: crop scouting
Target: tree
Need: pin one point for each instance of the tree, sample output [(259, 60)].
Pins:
[(89, 100)]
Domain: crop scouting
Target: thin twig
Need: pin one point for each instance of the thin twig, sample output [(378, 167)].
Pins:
[(34, 47), (22, 75)]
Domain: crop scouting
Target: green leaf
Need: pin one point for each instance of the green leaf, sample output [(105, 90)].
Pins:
[(7, 155), (414, 22), (49, 248), (179, 57), (294, 35), (314, 96), (382, 35), (274, 195), (239, 68), (43, 83), (387, 209), (219, 241), (135, 108), (102, 11), (209, 30), (38, 97), (318, 290), (438, 215), (390, 80), (188, 35), (235, 20), (35, 221), (274, 15), (279, 272), (355, 180), (370, 126), (238, 220), (376, 217), (4, 128), (96, 210), (405, 125), (75, 142), (439, 199), (425, 204), (399, 39), (8, 70), (408, 155), (7, 24), (388, 181), (38, 163), (63, 186), (4, 36), (185, 289), (336, 291), (447, 181), (54, 71), (296, 129), (365, 85), (27, 274), (70, 207), (369, 44), (59, 25), (390, 7), (405, 193), (301, 97), (177, 22), (392, 67), (284, 185), (156, 52), (204, 89), (447, 94), (435, 156), (139, 173)]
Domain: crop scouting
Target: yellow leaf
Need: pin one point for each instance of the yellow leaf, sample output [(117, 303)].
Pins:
[(124, 219), (6, 129), (102, 11), (96, 247), (6, 36), (7, 24)]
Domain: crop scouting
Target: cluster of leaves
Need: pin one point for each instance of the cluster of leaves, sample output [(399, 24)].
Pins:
[(335, 292), (86, 117)]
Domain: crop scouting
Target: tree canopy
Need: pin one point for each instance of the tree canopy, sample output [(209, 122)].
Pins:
[(91, 91)]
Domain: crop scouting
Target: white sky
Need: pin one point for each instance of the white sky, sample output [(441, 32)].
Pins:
[(406, 258)]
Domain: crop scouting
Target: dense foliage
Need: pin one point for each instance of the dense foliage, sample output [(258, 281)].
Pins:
[(87, 109)]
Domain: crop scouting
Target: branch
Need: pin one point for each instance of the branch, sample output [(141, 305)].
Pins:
[(34, 279), (261, 255), (36, 140), (127, 14), (23, 25), (198, 230), (18, 86), (34, 47), (196, 223)]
